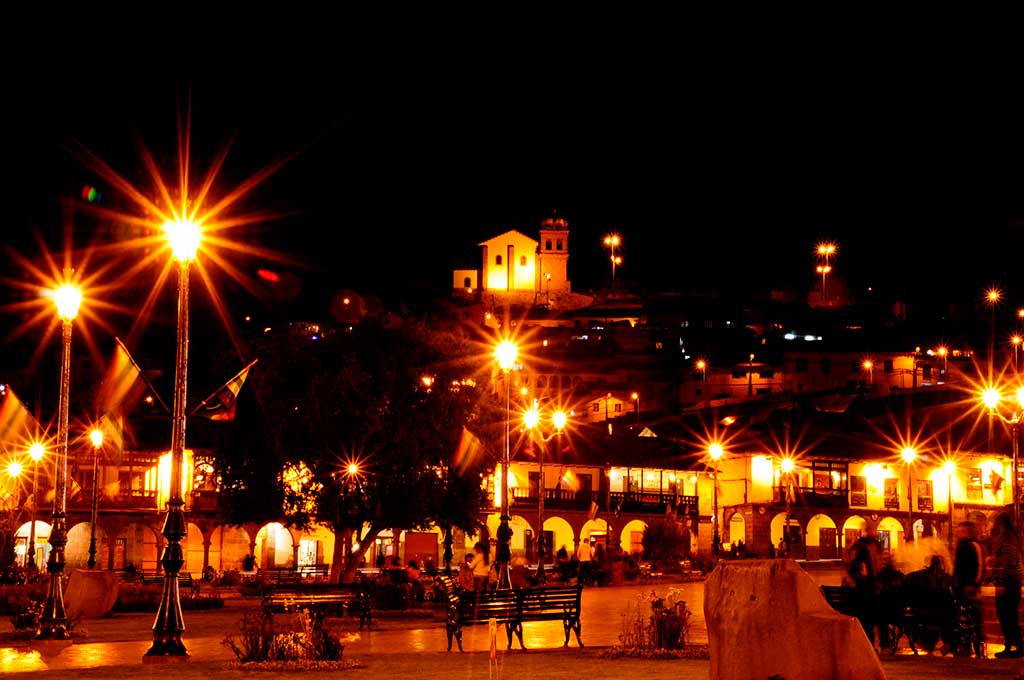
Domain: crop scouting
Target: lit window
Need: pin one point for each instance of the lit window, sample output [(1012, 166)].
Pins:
[(497, 259), (618, 408), (522, 261), (597, 406), (558, 244)]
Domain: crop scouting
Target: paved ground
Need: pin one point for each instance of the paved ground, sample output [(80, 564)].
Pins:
[(114, 646)]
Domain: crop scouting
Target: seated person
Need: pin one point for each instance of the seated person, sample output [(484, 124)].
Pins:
[(519, 575)]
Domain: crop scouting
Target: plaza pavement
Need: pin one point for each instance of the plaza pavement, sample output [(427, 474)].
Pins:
[(118, 643)]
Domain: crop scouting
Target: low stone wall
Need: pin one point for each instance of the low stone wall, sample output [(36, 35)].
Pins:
[(768, 618)]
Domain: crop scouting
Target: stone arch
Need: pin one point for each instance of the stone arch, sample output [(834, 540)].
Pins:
[(139, 544), (561, 534), (274, 546), (76, 552), (21, 539), (629, 537), (822, 538), (890, 533), (519, 524), (851, 531), (777, 528), (228, 547), (192, 546), (737, 527)]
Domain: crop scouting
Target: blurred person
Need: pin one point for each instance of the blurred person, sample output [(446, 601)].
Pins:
[(968, 574), (1007, 574)]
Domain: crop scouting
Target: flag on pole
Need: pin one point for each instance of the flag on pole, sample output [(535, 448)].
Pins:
[(17, 426), (125, 385), (221, 404)]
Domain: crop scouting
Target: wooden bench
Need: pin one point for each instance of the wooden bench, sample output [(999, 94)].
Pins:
[(335, 599), (185, 581), (513, 608), (843, 599)]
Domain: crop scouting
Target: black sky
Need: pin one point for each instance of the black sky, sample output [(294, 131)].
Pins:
[(713, 182)]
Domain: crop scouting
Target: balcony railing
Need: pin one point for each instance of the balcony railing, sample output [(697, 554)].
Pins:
[(815, 498), (645, 502)]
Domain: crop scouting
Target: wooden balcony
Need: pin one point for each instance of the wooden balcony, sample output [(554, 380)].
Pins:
[(814, 498), (645, 502)]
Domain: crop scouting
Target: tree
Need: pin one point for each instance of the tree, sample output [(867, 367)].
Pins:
[(363, 429), (665, 542)]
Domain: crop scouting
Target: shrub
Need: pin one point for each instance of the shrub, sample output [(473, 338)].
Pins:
[(310, 641), (228, 578), (16, 599), (655, 623)]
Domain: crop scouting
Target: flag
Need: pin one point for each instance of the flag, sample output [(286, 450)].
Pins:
[(17, 426), (221, 404), (468, 453), (125, 385), (593, 511)]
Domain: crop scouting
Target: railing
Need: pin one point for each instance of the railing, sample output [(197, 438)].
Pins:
[(646, 502), (811, 497)]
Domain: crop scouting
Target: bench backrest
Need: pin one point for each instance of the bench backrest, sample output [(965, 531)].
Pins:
[(505, 605)]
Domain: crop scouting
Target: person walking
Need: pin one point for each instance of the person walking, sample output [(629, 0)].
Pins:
[(968, 573), (1007, 574), (584, 554), (862, 574), (481, 566)]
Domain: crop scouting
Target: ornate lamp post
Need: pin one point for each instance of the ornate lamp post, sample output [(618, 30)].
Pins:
[(35, 452), (53, 622), (184, 237), (702, 366), (506, 353), (96, 437), (531, 419), (909, 454), (636, 406), (716, 451), (991, 398)]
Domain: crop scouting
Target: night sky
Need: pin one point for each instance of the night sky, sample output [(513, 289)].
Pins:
[(714, 185)]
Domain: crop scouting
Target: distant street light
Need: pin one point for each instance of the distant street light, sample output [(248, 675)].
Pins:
[(909, 454), (944, 353), (825, 250), (1015, 341), (613, 241), (991, 397), (636, 406), (36, 453), (716, 451), (532, 419), (96, 437), (992, 296), (702, 366)]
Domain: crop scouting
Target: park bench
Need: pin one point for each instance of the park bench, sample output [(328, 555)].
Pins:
[(285, 575), (185, 581), (335, 599), (514, 607)]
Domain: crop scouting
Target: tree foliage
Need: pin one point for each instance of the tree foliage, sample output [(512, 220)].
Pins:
[(665, 542), (357, 396)]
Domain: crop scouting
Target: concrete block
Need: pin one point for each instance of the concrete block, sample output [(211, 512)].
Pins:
[(768, 617), (90, 594)]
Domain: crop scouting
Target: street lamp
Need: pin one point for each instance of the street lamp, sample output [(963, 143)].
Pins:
[(53, 622), (1015, 341), (715, 451), (991, 398), (636, 406), (949, 467), (183, 235), (909, 454), (531, 419), (869, 366), (96, 437), (613, 241), (824, 269), (35, 452), (992, 296), (506, 353), (944, 353)]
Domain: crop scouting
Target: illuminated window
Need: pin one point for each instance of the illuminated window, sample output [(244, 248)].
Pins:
[(618, 408), (522, 261), (858, 490), (924, 495), (558, 244), (974, 484), (547, 244), (892, 493), (497, 259), (597, 406)]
